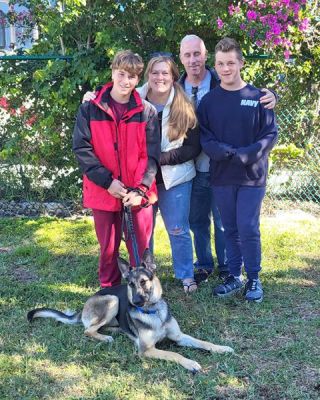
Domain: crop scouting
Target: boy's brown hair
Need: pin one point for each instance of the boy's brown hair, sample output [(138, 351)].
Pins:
[(128, 61), (227, 44)]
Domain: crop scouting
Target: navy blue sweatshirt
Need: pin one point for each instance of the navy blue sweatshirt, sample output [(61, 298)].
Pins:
[(237, 133)]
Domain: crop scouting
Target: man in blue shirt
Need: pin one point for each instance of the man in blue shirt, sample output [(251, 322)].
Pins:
[(237, 133)]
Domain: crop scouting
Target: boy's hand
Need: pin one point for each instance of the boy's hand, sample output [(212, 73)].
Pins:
[(117, 189), (132, 199), (88, 96), (269, 99)]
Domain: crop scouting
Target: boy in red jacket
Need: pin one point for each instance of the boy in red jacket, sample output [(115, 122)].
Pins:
[(116, 141)]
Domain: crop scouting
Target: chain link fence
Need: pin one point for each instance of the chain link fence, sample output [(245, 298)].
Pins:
[(295, 177), (295, 161), (294, 168)]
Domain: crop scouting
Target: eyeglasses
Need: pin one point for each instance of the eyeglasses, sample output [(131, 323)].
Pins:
[(161, 54)]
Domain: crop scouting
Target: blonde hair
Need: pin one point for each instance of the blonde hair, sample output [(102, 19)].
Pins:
[(182, 116), (128, 61)]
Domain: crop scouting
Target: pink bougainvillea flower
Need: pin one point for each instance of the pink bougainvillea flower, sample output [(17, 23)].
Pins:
[(304, 25), (30, 121), (276, 29), (268, 36), (252, 32), (4, 103), (287, 54), (231, 9), (220, 23), (277, 41), (252, 15)]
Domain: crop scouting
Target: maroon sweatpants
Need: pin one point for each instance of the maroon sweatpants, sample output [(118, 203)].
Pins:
[(108, 226)]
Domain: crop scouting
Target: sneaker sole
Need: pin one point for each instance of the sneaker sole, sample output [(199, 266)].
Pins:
[(255, 301), (227, 294)]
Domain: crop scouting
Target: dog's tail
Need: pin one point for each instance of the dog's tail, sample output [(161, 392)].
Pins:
[(74, 318)]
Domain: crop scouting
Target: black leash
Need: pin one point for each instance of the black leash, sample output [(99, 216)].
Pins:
[(128, 221), (130, 229)]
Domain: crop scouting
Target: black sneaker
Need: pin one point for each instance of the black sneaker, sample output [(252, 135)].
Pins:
[(202, 275), (253, 291), (230, 286), (223, 275)]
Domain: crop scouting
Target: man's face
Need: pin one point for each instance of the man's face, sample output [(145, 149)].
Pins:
[(228, 67), (123, 82), (193, 56)]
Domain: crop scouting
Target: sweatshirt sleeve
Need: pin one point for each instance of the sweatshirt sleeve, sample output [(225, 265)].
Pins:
[(265, 140), (189, 150), (153, 145), (84, 152), (216, 150)]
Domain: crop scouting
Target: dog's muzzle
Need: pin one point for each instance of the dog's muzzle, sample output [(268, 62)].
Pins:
[(138, 300)]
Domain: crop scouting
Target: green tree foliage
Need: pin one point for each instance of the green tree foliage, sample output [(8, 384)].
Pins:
[(39, 98), (289, 31)]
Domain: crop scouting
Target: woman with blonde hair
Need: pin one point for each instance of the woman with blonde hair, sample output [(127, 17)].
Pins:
[(179, 146)]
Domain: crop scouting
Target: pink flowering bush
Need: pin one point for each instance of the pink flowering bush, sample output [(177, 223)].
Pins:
[(275, 25)]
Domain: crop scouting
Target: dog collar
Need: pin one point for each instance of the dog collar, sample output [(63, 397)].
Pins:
[(140, 309)]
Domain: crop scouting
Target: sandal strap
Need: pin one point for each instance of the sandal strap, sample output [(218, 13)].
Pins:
[(187, 286)]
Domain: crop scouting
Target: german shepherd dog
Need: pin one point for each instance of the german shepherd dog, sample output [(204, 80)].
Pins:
[(138, 310)]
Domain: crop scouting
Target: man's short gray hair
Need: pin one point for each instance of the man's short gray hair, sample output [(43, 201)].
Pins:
[(187, 38)]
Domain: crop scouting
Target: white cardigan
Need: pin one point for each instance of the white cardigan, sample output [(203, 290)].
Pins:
[(172, 175)]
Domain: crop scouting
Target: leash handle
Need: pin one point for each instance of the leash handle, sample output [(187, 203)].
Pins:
[(129, 222)]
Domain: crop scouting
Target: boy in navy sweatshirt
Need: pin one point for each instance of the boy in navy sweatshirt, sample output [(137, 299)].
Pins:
[(237, 133)]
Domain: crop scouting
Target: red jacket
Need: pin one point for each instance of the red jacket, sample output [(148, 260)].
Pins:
[(129, 151)]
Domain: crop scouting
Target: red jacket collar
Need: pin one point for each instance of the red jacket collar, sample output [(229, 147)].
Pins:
[(103, 98)]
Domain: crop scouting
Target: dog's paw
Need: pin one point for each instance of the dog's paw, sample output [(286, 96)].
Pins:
[(225, 349), (220, 349), (192, 365), (108, 339)]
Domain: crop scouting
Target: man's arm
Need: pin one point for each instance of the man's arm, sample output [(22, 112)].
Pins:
[(269, 100), (189, 150), (88, 96)]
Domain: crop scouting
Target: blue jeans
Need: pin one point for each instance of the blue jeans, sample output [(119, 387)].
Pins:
[(240, 207), (174, 205), (202, 205)]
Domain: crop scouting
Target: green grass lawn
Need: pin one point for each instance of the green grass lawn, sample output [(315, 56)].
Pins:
[(51, 262)]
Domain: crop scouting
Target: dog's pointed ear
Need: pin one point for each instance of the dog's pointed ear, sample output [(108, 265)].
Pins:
[(148, 260), (124, 267)]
